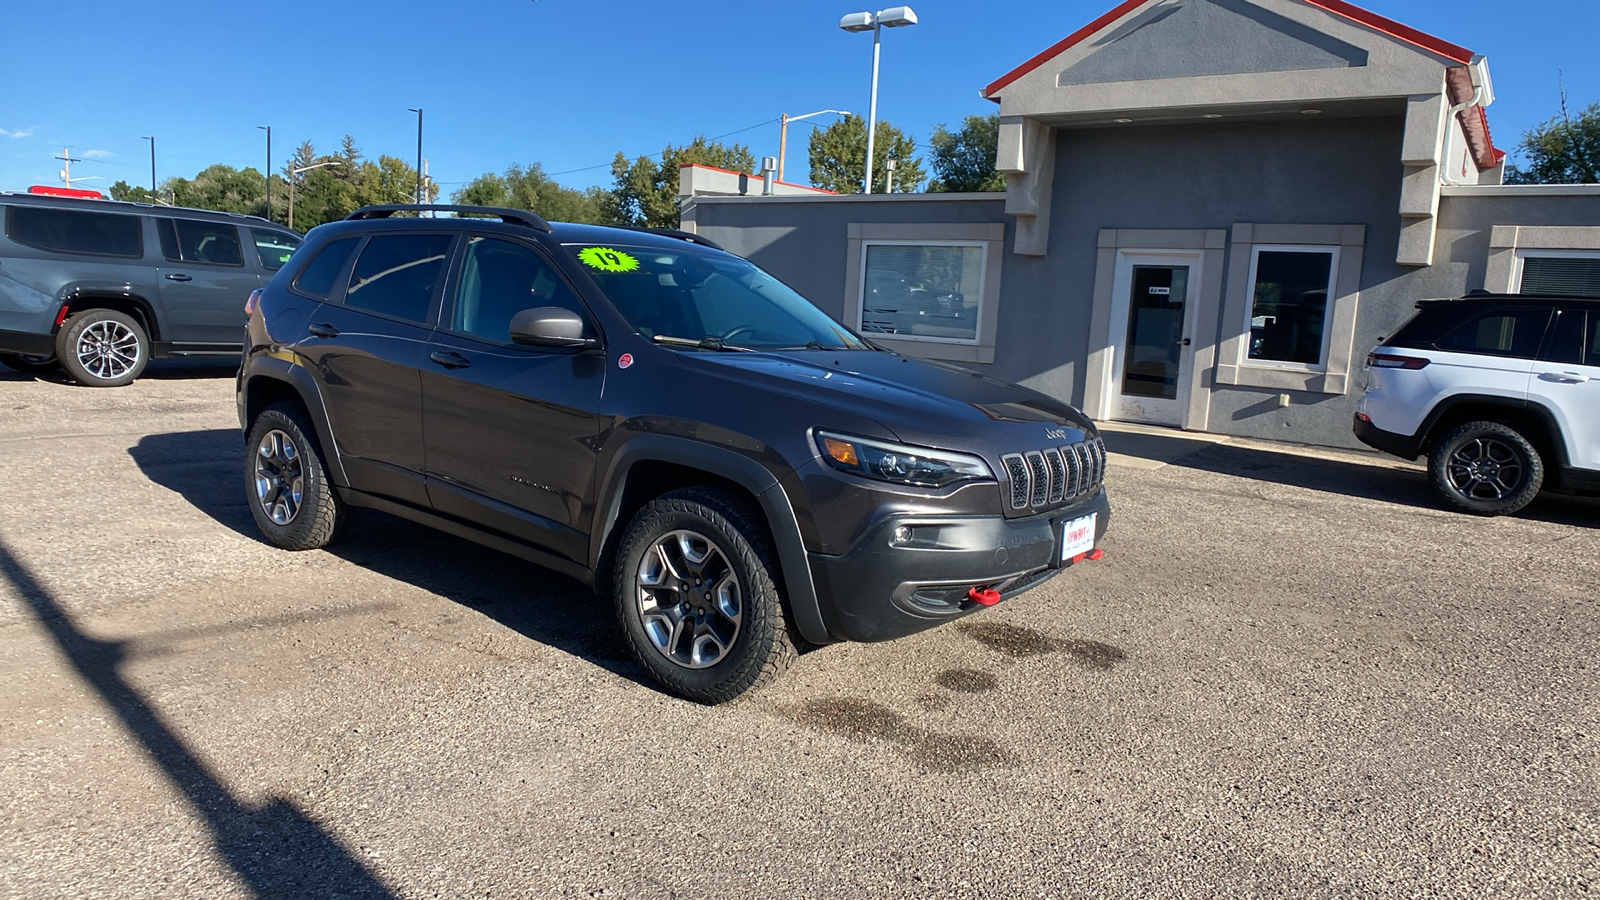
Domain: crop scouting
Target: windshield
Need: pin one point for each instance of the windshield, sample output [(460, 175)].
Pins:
[(692, 294)]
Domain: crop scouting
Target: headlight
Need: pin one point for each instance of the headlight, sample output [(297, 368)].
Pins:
[(900, 464)]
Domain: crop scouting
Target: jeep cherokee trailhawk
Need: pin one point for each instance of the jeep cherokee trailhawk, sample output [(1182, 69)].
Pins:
[(662, 421)]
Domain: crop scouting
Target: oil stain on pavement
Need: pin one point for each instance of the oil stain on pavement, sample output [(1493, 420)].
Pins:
[(1017, 641), (866, 720)]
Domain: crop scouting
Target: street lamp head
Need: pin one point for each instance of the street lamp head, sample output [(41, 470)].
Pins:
[(897, 16), (861, 21)]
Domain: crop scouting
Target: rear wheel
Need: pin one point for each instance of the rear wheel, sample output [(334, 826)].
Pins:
[(32, 365), (1486, 468), (102, 348), (697, 598), (289, 494)]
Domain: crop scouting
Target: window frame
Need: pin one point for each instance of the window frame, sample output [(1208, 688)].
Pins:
[(430, 318), (456, 273), (1520, 260), (11, 209), (990, 236), (1321, 367), (177, 240), (861, 291)]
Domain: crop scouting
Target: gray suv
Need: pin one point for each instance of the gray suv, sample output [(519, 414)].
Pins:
[(99, 287)]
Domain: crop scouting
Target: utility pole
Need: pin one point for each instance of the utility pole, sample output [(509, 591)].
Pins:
[(152, 140), (418, 111), (268, 130), (67, 159)]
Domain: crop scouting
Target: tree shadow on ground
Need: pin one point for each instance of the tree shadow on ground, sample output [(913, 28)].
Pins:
[(274, 848), (1353, 478), (206, 468)]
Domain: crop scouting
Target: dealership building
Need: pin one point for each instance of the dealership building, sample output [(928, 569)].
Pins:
[(1213, 210)]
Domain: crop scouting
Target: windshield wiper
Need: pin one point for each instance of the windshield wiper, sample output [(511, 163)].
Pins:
[(709, 342)]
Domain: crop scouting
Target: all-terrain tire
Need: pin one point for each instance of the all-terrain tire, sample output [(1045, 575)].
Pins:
[(102, 348), (762, 647), (286, 483), (30, 365), (1486, 468)]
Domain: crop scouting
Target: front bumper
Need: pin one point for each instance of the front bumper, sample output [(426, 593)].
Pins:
[(881, 590)]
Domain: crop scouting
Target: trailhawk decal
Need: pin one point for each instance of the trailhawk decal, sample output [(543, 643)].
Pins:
[(607, 260)]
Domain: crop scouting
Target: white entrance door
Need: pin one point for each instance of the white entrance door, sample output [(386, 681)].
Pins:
[(1153, 302)]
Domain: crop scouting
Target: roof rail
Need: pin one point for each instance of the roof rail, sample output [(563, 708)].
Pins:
[(689, 236), (514, 216)]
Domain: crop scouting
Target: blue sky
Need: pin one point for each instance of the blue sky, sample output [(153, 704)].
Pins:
[(570, 82)]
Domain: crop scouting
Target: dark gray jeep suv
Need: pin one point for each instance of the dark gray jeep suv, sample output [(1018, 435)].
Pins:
[(664, 422), (100, 287)]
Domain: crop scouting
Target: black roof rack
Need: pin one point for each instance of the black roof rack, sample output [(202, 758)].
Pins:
[(514, 216), (689, 236)]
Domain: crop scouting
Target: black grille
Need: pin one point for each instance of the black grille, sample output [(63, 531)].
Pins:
[(1055, 475)]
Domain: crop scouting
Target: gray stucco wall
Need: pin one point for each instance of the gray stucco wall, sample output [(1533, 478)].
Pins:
[(1207, 176)]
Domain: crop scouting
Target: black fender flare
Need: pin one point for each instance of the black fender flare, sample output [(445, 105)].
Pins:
[(1547, 418), (274, 368), (799, 589)]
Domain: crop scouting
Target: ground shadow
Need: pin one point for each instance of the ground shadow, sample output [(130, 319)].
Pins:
[(174, 369), (1408, 487), (207, 469), (275, 849)]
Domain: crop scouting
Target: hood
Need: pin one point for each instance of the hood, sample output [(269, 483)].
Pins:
[(920, 402)]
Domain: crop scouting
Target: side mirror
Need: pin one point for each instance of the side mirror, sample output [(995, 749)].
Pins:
[(550, 326)]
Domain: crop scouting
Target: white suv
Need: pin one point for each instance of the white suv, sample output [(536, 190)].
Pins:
[(1500, 391)]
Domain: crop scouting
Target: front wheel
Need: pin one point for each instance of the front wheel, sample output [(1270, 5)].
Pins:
[(697, 597), (28, 364), (102, 348), (289, 494), (1486, 468)]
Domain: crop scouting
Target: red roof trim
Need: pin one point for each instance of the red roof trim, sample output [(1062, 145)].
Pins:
[(1396, 30), (1065, 43), (803, 187), (1338, 7)]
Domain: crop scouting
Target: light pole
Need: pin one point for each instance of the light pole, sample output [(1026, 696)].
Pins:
[(294, 173), (893, 17), (268, 130), (418, 111), (783, 131), (152, 140)]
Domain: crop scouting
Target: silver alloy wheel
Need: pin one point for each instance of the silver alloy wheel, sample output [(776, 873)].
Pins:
[(689, 600), (1485, 469), (108, 349), (280, 477)]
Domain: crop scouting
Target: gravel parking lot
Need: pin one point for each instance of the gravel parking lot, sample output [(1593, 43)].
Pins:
[(1291, 675)]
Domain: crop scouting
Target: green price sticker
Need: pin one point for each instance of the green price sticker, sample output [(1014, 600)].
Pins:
[(607, 260)]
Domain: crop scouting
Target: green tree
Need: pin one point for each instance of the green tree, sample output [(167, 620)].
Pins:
[(528, 187), (133, 194), (646, 191), (964, 160), (839, 153), (1564, 150)]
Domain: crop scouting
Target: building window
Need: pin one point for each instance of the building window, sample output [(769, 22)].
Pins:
[(922, 291), (1572, 274), (1289, 307)]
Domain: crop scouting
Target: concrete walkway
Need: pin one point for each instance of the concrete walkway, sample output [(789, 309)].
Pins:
[(1152, 447)]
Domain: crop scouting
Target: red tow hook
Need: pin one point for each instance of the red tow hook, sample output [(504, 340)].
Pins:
[(983, 596), (1091, 556)]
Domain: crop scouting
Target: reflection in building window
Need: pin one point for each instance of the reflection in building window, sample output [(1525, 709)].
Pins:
[(1289, 312), (927, 291)]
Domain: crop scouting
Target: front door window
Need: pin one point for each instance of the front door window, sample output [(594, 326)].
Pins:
[(1155, 331)]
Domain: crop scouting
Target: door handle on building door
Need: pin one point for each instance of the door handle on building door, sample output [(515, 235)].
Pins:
[(1563, 377), (1185, 342)]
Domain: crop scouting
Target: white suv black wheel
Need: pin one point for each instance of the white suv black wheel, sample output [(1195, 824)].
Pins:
[(289, 494), (102, 348), (697, 597), (1486, 468)]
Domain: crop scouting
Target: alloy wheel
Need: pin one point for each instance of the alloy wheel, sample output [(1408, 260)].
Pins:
[(280, 477), (689, 600), (108, 349), (1485, 469)]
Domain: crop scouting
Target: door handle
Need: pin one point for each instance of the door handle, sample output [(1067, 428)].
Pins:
[(323, 330), (1563, 377), (179, 276), (449, 360), (1185, 342)]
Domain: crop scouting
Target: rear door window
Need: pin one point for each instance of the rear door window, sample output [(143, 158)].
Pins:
[(187, 240), (397, 274), (1567, 339), (273, 247), (322, 273), (1515, 332), (75, 231)]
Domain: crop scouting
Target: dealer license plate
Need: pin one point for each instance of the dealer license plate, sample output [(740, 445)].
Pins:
[(1077, 536)]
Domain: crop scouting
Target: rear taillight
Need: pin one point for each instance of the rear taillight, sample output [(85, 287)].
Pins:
[(1391, 361), (253, 302)]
